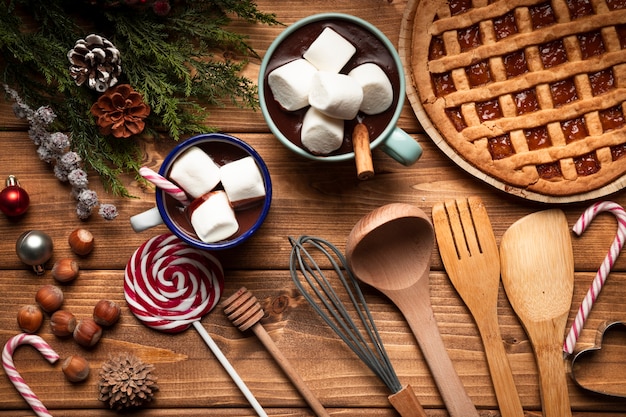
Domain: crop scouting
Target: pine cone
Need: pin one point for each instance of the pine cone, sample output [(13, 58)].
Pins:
[(96, 61), (126, 382), (120, 111)]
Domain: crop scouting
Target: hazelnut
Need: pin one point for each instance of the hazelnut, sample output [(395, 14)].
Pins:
[(81, 241), (65, 270), (75, 368), (87, 332), (49, 298), (29, 318), (106, 313), (62, 323)]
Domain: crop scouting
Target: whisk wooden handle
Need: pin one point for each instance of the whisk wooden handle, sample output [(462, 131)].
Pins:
[(245, 312), (406, 403)]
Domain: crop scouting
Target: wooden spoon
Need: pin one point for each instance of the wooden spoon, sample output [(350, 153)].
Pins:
[(390, 249), (537, 266)]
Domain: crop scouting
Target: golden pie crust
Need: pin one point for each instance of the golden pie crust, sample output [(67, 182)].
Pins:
[(531, 93)]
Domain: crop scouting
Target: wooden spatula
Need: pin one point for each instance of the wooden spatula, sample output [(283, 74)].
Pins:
[(470, 255), (537, 266)]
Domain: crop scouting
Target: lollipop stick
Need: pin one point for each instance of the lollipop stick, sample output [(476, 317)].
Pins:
[(229, 368)]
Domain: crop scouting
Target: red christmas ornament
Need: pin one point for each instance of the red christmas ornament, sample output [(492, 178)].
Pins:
[(14, 200)]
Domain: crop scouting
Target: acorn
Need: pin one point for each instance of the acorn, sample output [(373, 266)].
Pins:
[(87, 332), (49, 298), (81, 241), (62, 323), (29, 318), (75, 368), (65, 270), (106, 313)]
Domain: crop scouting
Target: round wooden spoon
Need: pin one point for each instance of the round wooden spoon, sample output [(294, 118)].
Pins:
[(390, 249), (537, 266)]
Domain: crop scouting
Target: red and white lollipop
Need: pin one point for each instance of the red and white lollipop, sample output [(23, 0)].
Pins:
[(169, 286)]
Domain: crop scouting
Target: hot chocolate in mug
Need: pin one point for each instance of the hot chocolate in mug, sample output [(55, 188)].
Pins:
[(371, 46), (222, 149)]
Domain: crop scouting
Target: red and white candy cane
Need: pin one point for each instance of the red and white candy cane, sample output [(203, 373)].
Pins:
[(9, 367), (166, 185), (602, 274)]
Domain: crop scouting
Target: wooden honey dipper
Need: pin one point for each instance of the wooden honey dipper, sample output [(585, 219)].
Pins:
[(245, 312)]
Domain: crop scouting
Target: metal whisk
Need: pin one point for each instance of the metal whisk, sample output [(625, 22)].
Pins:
[(355, 326)]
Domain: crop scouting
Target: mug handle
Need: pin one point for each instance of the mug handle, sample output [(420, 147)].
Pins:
[(402, 147), (146, 220)]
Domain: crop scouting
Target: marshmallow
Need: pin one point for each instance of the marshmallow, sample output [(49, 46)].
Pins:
[(212, 217), (290, 84), (336, 95), (329, 51), (195, 172), (377, 89), (321, 134), (242, 181)]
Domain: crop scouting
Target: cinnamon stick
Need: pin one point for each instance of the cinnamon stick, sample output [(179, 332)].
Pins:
[(362, 152)]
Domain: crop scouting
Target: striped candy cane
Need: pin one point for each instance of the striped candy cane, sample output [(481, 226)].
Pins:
[(602, 274), (9, 367), (164, 184)]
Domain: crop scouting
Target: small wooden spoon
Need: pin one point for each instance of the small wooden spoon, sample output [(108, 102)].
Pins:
[(537, 266), (390, 249)]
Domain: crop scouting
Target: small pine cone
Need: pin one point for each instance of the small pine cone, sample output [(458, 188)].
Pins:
[(120, 112), (95, 60), (126, 382)]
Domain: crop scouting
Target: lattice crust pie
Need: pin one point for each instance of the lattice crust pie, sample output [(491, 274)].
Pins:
[(530, 92)]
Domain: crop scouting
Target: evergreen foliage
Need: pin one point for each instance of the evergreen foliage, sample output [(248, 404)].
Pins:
[(179, 62)]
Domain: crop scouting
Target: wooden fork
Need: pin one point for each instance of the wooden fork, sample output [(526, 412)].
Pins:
[(470, 256)]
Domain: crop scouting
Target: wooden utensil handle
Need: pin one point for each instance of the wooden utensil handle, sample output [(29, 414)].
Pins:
[(295, 378), (553, 380), (406, 403), (500, 369), (422, 322)]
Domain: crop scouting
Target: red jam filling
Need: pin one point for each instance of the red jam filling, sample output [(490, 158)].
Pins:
[(612, 118), (591, 44), (542, 15), (563, 92), (537, 138), (459, 6), (488, 110), (552, 53), (602, 82), (437, 48), (574, 129), (621, 34), (443, 84), (547, 171), (505, 26), (500, 147), (616, 4), (526, 102), (579, 8), (586, 164), (478, 74), (469, 38), (456, 117), (515, 64)]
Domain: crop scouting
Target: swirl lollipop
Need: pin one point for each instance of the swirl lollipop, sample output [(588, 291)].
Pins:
[(170, 286)]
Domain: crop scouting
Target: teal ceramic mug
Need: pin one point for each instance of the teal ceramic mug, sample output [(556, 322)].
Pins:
[(371, 46)]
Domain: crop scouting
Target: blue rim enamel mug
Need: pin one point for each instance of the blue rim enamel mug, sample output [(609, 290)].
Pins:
[(169, 212)]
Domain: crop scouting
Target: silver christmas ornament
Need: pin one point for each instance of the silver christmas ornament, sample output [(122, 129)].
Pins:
[(34, 248)]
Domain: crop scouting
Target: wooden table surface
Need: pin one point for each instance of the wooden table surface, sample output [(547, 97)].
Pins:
[(309, 198)]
